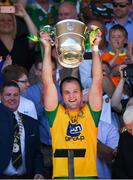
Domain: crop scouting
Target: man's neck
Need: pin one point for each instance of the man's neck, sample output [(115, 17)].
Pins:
[(122, 21)]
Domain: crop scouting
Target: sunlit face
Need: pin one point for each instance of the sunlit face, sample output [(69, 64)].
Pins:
[(67, 12), (72, 95), (23, 83), (121, 8), (129, 127), (6, 23), (10, 97), (117, 39)]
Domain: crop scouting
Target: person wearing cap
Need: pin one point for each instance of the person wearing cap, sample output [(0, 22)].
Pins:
[(122, 168)]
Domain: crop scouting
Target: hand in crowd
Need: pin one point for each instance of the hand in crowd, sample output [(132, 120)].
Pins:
[(20, 10), (7, 62), (45, 39), (98, 37), (121, 67)]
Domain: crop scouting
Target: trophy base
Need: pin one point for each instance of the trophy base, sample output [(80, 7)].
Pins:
[(70, 59)]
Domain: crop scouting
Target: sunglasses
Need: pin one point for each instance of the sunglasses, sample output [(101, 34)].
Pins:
[(120, 5)]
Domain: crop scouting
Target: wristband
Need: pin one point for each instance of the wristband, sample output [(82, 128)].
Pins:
[(95, 48)]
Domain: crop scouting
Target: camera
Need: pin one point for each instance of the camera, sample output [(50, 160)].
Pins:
[(7, 9), (128, 71)]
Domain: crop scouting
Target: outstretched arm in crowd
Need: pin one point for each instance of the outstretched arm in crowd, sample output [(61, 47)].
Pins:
[(20, 11), (116, 97)]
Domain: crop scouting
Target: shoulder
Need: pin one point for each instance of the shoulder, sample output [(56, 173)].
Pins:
[(110, 24), (26, 106), (4, 109), (26, 101), (5, 113), (36, 88), (29, 119)]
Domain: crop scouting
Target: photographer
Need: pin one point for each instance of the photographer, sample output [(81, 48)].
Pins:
[(121, 97)]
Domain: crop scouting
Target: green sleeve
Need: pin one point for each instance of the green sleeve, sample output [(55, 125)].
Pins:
[(51, 116), (95, 115)]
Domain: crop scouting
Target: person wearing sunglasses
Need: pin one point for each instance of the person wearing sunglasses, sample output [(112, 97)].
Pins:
[(121, 9)]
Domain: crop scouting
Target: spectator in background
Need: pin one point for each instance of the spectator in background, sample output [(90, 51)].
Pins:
[(20, 156), (118, 53), (121, 10), (35, 93), (122, 168), (67, 10), (101, 11), (122, 96), (43, 12), (19, 75), (95, 9), (36, 70), (17, 46), (108, 137)]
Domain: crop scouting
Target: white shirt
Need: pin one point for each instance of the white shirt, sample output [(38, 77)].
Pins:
[(85, 73), (27, 107)]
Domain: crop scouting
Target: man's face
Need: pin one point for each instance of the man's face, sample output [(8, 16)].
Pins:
[(72, 95), (23, 83), (67, 12), (11, 97), (129, 127), (121, 8), (117, 39)]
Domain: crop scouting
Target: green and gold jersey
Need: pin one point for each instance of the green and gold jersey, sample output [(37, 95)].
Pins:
[(77, 130)]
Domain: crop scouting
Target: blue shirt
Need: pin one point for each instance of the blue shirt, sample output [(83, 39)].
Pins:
[(108, 134), (128, 26), (34, 93)]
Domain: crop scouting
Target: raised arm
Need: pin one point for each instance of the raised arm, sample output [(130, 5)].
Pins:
[(50, 96), (116, 97), (95, 92), (20, 11)]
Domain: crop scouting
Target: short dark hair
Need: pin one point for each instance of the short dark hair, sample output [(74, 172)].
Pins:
[(70, 79), (120, 28), (13, 72), (8, 84)]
